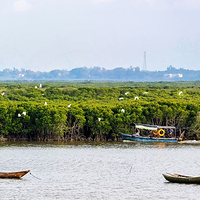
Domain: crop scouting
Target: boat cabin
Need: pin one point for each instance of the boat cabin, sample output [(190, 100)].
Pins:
[(147, 130)]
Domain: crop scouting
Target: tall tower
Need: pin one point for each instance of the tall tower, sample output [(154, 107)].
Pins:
[(145, 62)]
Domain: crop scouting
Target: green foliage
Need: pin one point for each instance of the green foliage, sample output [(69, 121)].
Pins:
[(94, 109)]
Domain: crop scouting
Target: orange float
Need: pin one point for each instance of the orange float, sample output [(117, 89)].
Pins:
[(155, 133)]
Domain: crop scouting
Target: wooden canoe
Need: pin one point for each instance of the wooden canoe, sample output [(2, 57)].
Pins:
[(177, 178), (16, 175)]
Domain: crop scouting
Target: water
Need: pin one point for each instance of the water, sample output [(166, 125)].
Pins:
[(101, 171)]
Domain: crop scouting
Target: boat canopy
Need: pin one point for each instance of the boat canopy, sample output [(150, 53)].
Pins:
[(151, 127)]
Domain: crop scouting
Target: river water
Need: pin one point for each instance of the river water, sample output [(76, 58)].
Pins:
[(98, 171)]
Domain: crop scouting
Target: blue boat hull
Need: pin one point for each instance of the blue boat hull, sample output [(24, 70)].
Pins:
[(146, 139)]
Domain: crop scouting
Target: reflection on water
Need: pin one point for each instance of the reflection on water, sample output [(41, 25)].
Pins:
[(98, 170)]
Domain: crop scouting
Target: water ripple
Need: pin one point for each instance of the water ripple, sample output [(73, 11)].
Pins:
[(92, 171)]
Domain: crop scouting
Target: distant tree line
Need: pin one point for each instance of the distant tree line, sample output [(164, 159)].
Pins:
[(98, 73)]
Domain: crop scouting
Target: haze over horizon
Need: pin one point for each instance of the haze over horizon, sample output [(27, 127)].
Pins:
[(47, 34)]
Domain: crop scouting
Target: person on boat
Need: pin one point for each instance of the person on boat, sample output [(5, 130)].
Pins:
[(137, 132), (170, 132)]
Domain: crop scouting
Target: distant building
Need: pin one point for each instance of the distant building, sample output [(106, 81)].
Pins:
[(21, 75), (173, 75)]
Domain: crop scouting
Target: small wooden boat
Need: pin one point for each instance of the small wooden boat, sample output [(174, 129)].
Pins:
[(16, 175), (177, 178)]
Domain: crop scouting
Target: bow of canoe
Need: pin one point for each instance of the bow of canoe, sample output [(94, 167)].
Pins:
[(16, 175)]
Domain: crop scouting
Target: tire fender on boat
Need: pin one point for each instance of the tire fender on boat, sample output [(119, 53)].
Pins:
[(161, 132), (155, 133)]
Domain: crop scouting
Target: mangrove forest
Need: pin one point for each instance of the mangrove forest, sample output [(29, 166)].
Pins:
[(94, 111)]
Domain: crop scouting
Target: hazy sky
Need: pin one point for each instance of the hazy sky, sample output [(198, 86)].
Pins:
[(65, 34)]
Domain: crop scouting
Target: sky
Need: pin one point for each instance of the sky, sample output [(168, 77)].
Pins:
[(43, 35)]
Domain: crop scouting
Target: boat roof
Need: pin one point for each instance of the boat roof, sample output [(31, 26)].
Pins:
[(151, 127)]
